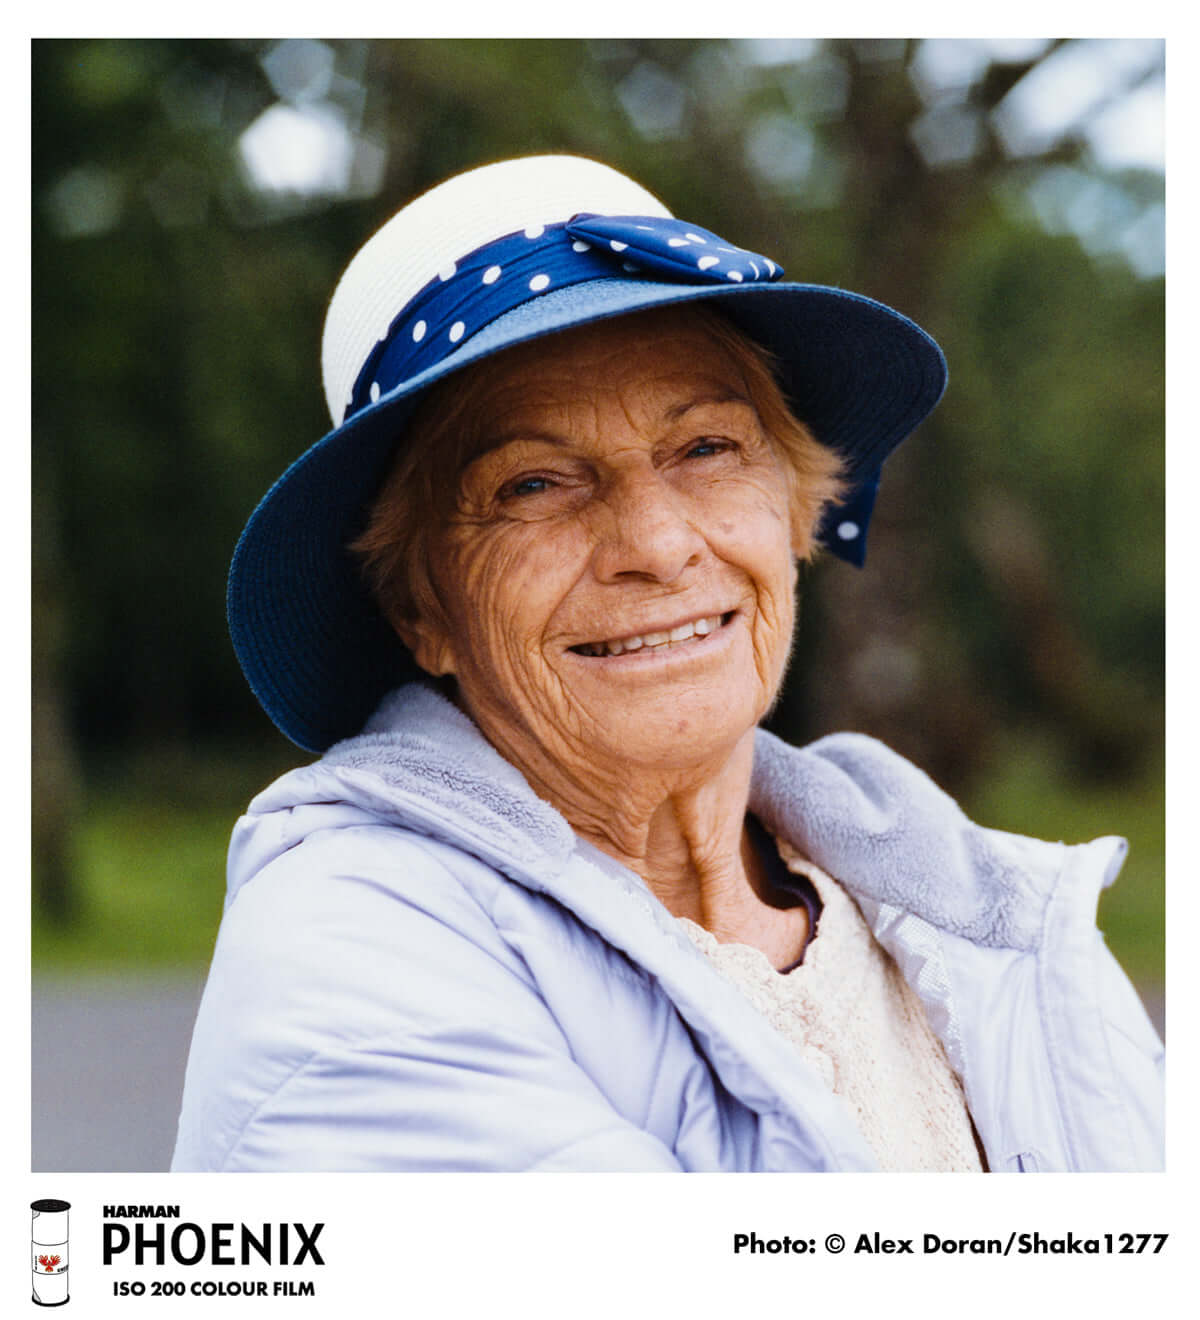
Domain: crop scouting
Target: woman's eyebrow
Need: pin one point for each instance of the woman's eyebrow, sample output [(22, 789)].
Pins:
[(517, 436), (678, 410)]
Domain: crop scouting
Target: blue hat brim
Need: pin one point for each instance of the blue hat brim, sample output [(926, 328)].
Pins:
[(314, 647)]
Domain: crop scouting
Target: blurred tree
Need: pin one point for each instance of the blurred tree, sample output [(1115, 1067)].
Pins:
[(971, 523)]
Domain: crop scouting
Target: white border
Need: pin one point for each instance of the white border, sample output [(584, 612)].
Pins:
[(448, 1245)]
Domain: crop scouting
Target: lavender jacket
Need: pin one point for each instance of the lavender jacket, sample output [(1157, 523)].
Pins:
[(420, 967)]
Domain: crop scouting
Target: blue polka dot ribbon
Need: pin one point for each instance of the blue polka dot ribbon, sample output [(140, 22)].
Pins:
[(473, 291)]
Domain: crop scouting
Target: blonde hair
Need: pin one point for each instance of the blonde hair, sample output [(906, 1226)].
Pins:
[(446, 433)]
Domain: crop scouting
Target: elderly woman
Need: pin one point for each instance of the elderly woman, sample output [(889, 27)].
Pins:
[(549, 899)]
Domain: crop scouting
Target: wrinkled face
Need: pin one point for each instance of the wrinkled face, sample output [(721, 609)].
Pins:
[(617, 580)]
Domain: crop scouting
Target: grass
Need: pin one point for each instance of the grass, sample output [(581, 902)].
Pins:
[(151, 885), (150, 852)]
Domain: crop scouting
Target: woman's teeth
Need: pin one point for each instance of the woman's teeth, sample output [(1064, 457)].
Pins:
[(653, 640)]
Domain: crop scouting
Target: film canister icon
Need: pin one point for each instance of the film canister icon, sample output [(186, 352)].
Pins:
[(50, 1252)]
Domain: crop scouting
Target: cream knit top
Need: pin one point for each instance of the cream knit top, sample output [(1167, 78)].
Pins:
[(853, 1018)]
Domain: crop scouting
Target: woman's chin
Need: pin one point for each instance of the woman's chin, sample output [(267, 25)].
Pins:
[(684, 730)]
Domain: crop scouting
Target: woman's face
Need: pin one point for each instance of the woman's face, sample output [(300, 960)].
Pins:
[(617, 580)]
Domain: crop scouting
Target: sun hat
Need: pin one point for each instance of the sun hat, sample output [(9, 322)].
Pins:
[(497, 256)]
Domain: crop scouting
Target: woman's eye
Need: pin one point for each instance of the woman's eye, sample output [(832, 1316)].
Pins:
[(706, 447), (525, 486)]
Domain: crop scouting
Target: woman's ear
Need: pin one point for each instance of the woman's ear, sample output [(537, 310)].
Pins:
[(429, 641)]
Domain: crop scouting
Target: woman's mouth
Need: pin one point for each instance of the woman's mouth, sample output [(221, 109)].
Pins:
[(656, 641)]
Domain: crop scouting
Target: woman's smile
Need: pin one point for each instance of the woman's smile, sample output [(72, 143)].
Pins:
[(657, 640)]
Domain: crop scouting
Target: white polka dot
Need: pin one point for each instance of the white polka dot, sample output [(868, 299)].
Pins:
[(695, 237), (374, 391), (418, 331), (735, 275), (447, 272), (580, 246), (617, 245), (539, 282), (457, 330), (648, 228), (755, 269), (677, 242), (534, 231), (847, 530), (770, 265), (628, 265), (491, 275), (705, 262)]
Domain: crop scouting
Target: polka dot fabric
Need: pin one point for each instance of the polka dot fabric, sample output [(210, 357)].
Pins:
[(470, 293), (844, 529), (672, 249)]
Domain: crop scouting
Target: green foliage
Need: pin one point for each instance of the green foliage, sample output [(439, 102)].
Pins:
[(1058, 393)]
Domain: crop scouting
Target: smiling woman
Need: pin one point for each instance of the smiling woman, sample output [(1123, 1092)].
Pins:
[(550, 899), (612, 588)]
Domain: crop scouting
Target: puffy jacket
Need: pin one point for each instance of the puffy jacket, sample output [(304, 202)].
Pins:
[(420, 967)]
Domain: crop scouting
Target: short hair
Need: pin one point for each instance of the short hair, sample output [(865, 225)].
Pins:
[(444, 436)]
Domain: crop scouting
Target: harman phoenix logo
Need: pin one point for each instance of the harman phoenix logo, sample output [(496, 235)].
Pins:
[(160, 1236)]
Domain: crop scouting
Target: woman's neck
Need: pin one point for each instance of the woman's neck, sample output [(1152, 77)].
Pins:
[(683, 830)]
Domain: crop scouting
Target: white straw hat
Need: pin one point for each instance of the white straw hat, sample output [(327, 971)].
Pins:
[(432, 233)]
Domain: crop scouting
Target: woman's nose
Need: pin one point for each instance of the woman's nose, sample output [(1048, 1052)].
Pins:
[(643, 528)]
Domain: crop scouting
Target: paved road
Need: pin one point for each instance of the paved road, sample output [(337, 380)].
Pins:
[(108, 1061)]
